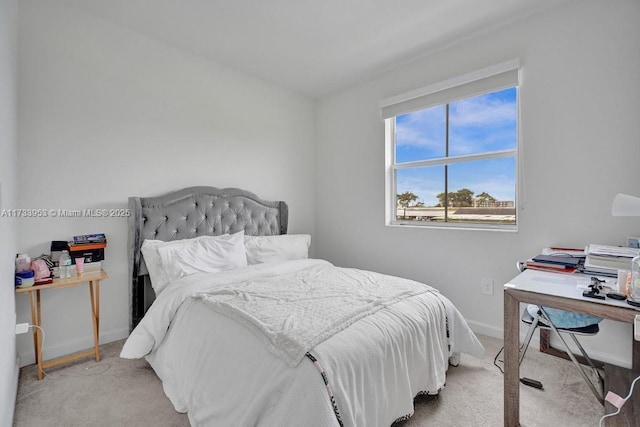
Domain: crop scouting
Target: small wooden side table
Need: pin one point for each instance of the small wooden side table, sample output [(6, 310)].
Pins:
[(93, 279)]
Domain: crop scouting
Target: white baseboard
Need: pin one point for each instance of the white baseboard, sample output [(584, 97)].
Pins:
[(62, 349), (484, 329), (608, 358), (69, 347), (8, 405), (492, 331)]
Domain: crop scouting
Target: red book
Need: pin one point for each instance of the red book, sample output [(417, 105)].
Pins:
[(87, 246)]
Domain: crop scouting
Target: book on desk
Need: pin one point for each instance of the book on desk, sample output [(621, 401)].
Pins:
[(607, 260), (556, 261), (598, 260), (555, 268)]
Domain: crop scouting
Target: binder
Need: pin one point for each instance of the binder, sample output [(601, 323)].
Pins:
[(567, 261)]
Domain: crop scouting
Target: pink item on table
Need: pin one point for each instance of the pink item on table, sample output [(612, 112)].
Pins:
[(80, 265)]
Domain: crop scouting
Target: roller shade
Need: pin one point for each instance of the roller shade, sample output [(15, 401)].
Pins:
[(479, 82)]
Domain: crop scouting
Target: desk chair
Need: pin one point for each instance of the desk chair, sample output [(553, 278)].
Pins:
[(540, 319)]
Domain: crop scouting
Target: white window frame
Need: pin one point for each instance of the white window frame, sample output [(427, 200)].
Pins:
[(490, 79)]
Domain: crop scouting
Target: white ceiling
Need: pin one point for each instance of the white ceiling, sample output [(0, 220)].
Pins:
[(311, 46)]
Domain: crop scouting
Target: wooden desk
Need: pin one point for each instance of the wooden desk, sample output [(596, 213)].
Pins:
[(93, 279), (556, 291), (618, 380)]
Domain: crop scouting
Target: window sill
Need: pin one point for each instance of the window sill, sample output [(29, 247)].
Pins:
[(449, 226)]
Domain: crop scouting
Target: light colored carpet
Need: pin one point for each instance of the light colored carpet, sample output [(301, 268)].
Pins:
[(127, 392)]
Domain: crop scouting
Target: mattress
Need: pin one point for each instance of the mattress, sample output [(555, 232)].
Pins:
[(221, 372)]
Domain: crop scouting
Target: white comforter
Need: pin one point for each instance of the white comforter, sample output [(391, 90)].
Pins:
[(222, 374)]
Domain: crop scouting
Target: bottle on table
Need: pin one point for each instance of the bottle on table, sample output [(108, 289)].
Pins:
[(23, 263), (64, 265), (633, 297)]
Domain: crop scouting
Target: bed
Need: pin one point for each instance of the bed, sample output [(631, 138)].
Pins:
[(244, 329)]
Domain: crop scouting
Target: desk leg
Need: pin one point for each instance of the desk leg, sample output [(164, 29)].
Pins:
[(511, 365), (95, 314)]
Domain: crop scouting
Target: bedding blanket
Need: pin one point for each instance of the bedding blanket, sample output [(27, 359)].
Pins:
[(283, 310), (220, 372)]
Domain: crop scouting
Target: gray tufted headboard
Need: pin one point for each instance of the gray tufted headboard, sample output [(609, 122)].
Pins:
[(192, 212)]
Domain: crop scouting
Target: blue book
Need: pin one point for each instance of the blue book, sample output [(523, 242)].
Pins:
[(567, 261)]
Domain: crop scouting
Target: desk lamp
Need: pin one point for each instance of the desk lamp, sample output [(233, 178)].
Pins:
[(625, 205)]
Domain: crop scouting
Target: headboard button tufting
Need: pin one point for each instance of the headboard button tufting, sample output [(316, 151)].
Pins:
[(171, 216)]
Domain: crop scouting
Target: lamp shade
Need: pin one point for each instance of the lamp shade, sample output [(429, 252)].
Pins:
[(625, 205)]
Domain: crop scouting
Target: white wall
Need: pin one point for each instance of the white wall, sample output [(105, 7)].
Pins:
[(580, 145), (106, 113), (8, 184)]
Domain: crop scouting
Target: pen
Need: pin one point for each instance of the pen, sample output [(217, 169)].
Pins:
[(555, 248)]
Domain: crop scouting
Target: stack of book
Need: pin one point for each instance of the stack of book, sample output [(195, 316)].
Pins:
[(91, 248), (556, 262), (607, 260), (86, 239)]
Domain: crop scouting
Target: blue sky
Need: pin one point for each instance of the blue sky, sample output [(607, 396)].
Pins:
[(480, 124)]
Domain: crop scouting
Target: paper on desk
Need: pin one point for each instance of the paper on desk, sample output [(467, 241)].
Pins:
[(615, 251), (564, 251)]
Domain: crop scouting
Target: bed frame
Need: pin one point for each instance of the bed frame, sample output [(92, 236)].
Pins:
[(188, 213)]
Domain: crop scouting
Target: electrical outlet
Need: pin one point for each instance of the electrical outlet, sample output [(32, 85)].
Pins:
[(22, 328), (636, 328), (486, 286)]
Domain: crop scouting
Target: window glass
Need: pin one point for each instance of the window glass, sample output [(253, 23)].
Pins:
[(421, 135), (417, 191), (483, 123), (483, 191), (456, 162)]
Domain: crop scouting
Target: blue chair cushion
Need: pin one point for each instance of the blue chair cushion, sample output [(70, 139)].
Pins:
[(565, 319)]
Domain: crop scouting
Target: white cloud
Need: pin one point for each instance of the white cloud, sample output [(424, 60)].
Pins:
[(423, 128), (415, 137), (482, 111), (462, 142), (467, 118)]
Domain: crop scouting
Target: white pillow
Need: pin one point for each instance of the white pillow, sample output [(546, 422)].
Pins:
[(283, 247), (212, 255), (149, 250), (157, 273)]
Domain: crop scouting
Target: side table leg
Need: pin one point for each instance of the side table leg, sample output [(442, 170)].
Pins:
[(95, 314), (34, 321), (38, 322)]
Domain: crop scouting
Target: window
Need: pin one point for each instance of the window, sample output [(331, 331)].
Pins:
[(452, 152)]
